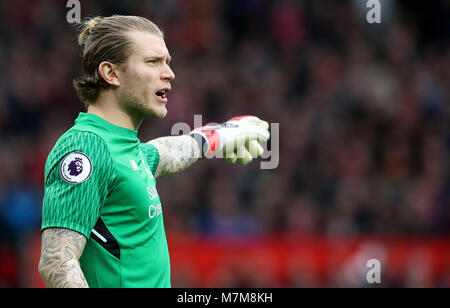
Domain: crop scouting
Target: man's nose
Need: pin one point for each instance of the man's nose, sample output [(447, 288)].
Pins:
[(168, 74)]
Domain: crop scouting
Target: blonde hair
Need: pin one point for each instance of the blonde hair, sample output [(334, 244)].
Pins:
[(105, 39)]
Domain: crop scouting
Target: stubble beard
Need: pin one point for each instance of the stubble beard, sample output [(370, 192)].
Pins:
[(141, 106)]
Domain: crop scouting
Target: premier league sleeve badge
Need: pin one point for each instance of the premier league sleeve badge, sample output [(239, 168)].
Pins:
[(76, 167)]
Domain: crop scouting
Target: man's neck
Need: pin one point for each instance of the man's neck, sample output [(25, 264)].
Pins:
[(107, 108)]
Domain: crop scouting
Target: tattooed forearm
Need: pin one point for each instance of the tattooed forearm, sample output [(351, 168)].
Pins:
[(60, 251), (176, 154)]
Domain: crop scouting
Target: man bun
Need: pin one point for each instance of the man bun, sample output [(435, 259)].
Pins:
[(88, 25)]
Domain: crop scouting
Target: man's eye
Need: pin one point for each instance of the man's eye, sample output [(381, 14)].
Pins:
[(152, 61)]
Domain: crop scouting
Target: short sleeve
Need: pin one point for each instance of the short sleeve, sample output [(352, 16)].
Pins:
[(79, 173), (151, 155)]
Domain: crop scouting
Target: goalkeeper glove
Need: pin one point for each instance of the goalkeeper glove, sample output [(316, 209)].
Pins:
[(238, 138)]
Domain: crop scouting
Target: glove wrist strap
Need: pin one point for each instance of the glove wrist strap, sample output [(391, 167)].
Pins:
[(208, 141)]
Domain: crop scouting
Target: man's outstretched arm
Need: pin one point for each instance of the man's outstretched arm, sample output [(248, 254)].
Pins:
[(236, 140), (176, 153)]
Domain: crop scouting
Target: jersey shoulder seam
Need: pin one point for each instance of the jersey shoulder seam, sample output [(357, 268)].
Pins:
[(158, 155), (109, 151), (69, 134)]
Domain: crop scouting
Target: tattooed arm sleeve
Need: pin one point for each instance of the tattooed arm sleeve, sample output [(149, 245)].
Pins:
[(176, 153), (60, 251)]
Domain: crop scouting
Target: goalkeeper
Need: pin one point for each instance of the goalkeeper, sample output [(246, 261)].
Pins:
[(102, 218)]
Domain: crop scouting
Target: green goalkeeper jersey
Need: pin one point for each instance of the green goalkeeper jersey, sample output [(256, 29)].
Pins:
[(99, 182)]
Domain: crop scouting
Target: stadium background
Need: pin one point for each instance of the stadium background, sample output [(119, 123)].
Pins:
[(364, 138)]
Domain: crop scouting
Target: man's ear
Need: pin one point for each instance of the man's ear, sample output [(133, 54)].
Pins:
[(109, 72)]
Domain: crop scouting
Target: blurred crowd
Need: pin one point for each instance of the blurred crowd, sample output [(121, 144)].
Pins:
[(363, 112)]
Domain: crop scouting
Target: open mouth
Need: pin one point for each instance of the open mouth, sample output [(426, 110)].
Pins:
[(162, 93)]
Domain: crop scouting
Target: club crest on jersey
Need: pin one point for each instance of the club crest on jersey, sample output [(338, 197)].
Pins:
[(76, 167)]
